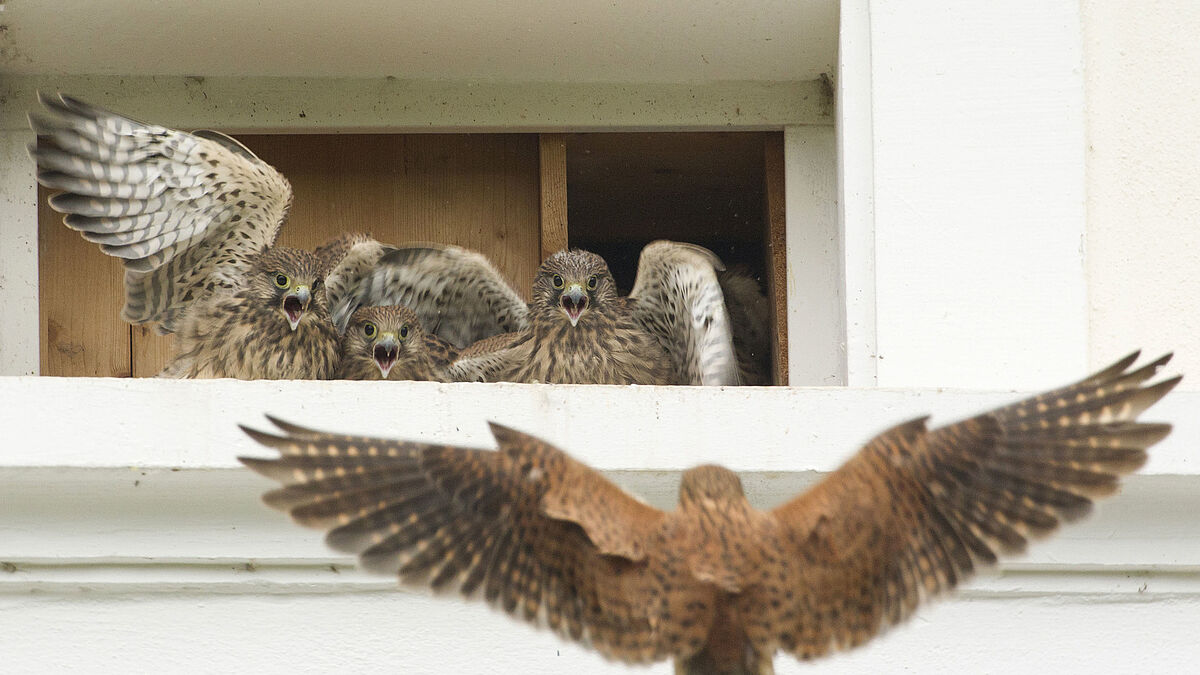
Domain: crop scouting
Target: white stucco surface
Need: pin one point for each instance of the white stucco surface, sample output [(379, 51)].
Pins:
[(978, 191), (1143, 176)]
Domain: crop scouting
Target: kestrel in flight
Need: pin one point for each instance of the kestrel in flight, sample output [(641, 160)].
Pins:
[(673, 327), (194, 218), (716, 584)]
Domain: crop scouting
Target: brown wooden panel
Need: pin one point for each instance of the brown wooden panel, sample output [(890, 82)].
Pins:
[(480, 191), (149, 350), (776, 222), (80, 295), (553, 153)]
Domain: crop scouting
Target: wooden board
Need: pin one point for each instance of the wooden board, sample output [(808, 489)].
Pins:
[(553, 154), (776, 234), (480, 191), (80, 298)]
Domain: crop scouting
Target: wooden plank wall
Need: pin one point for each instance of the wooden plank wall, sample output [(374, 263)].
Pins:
[(480, 191), (553, 153), (776, 235)]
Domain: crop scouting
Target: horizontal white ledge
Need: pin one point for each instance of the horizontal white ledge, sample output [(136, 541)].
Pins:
[(301, 104), (338, 576), (97, 422), (194, 630), (101, 516)]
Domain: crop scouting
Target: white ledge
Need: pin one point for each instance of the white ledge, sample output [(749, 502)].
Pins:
[(98, 422)]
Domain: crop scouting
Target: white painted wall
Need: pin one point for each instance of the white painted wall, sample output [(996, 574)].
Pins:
[(18, 257), (977, 114), (816, 304), (1143, 176)]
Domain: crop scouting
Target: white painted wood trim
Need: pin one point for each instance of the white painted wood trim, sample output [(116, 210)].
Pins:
[(856, 192), (19, 350), (191, 423), (815, 298), (295, 104)]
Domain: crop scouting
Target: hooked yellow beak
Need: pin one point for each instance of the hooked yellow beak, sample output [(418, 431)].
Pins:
[(385, 352), (295, 303), (574, 300)]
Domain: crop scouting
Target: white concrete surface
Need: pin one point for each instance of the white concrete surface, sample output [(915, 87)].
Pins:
[(19, 353), (1143, 176), (978, 191), (305, 104), (582, 41), (815, 305), (190, 424), (856, 193)]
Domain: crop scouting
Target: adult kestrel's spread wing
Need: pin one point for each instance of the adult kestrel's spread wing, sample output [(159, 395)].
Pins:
[(186, 212), (525, 527), (456, 293), (678, 299), (915, 511), (716, 584)]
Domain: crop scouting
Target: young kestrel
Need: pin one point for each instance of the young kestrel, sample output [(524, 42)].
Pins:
[(673, 328), (717, 585), (194, 217), (388, 343)]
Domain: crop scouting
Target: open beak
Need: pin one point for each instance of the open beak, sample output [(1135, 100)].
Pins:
[(295, 303), (385, 352), (573, 301)]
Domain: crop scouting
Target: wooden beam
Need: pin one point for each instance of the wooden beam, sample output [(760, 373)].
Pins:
[(552, 150), (776, 235), (81, 292)]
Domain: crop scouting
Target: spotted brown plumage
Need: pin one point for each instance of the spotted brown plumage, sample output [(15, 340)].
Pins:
[(580, 332), (716, 584), (275, 326), (194, 218), (388, 343), (749, 314), (673, 328)]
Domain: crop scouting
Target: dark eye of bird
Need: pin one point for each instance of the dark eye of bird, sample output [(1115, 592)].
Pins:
[(592, 282), (281, 280), (557, 281), (404, 331), (369, 330)]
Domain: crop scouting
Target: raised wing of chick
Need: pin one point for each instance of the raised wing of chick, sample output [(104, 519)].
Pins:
[(716, 584), (188, 213), (194, 217), (455, 292), (678, 299)]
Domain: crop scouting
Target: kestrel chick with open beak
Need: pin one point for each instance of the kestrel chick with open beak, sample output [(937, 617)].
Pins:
[(388, 343), (276, 326)]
